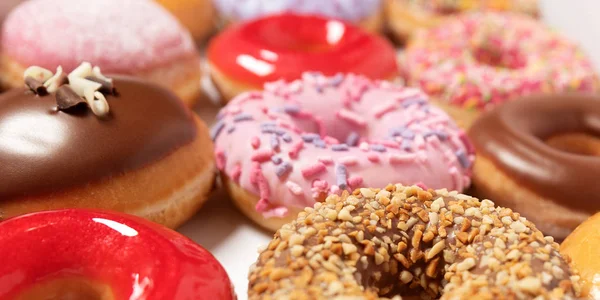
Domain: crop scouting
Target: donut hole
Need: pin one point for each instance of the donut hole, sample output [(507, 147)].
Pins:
[(285, 36), (68, 289), (489, 46), (578, 143)]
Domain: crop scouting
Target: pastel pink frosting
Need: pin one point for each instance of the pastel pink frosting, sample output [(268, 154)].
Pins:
[(120, 36), (296, 142)]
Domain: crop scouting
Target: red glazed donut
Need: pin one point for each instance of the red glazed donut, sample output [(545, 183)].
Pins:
[(246, 56), (128, 37), (479, 60), (84, 254)]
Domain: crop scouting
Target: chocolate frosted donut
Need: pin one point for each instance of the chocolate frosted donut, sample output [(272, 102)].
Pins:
[(533, 154), (407, 241), (59, 150)]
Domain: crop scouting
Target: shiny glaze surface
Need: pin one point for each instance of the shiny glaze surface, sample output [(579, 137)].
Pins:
[(284, 46), (513, 136), (44, 150), (137, 259)]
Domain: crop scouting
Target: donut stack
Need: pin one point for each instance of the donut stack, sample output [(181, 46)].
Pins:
[(355, 154)]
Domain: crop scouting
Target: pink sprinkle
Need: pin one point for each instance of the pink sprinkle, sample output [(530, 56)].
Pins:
[(313, 170), (355, 181), (262, 155), (235, 173), (351, 117), (456, 178), (220, 159), (400, 159), (419, 142), (364, 146), (385, 108), (254, 173), (421, 185), (331, 140), (321, 185), (434, 141), (373, 157), (348, 160), (262, 205), (255, 142), (387, 143), (293, 153), (277, 212), (294, 188), (334, 189), (234, 109), (325, 159)]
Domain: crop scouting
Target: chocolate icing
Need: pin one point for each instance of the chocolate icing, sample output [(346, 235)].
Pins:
[(44, 150), (513, 136)]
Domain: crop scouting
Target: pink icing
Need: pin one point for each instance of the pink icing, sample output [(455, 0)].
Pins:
[(300, 126), (479, 60), (124, 36)]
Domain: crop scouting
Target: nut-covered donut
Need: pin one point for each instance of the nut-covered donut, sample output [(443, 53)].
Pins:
[(406, 241)]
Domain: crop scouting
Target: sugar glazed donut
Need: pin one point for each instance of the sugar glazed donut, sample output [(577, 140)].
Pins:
[(479, 60), (581, 248), (367, 14), (80, 254), (407, 241), (405, 17), (129, 37), (291, 145), (123, 145), (198, 16), (247, 56), (524, 150)]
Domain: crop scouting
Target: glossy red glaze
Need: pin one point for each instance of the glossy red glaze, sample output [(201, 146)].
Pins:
[(137, 259), (284, 46)]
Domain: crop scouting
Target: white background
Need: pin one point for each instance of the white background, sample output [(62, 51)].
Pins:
[(234, 241)]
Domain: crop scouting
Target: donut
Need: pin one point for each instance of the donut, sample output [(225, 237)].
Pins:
[(87, 254), (129, 37), (198, 16), (406, 17), (406, 241), (285, 148), (524, 150), (118, 143), (367, 14), (479, 60), (581, 249), (247, 56)]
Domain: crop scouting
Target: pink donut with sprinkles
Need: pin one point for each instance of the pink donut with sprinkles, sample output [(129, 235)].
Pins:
[(479, 60), (282, 149)]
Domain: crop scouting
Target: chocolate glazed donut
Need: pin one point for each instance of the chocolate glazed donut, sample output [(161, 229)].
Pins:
[(539, 156)]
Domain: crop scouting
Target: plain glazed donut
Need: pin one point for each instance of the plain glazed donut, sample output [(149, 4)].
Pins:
[(405, 17), (581, 247), (247, 56), (479, 60), (540, 150), (132, 147), (130, 37), (291, 145), (198, 16), (367, 14), (407, 241), (81, 254)]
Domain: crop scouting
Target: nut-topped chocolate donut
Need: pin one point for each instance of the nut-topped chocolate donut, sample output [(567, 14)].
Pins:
[(533, 154), (82, 140), (408, 241)]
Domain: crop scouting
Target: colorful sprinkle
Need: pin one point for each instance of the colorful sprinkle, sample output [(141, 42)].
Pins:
[(242, 118), (341, 175), (314, 169), (255, 142), (294, 188), (276, 160), (216, 129), (351, 117), (293, 153), (283, 169), (262, 155), (378, 148), (339, 147), (352, 139)]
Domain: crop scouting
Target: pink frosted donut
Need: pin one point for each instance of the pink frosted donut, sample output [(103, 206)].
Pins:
[(282, 149), (134, 37), (479, 60)]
